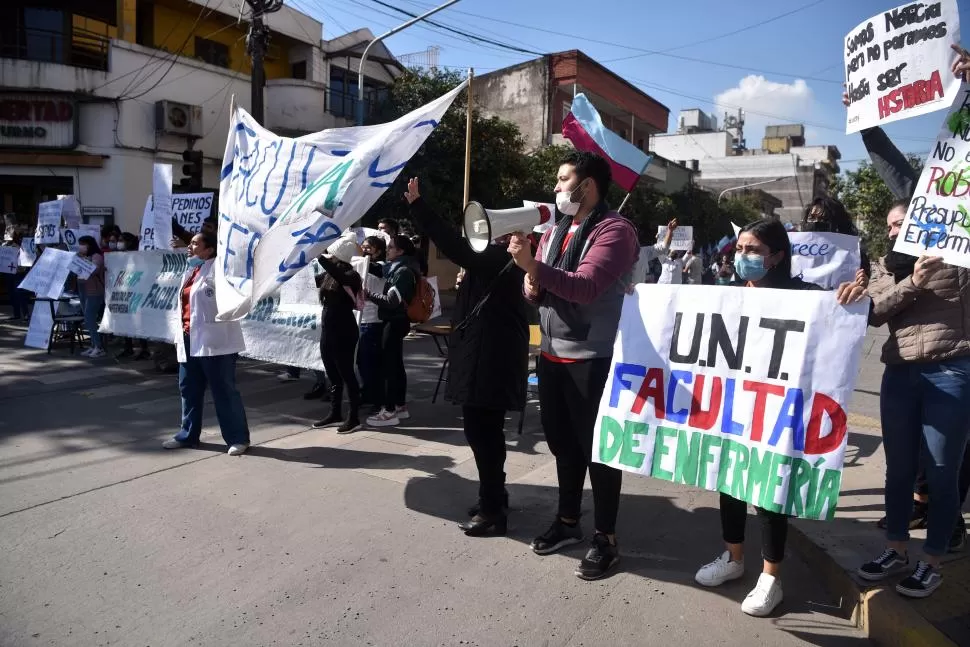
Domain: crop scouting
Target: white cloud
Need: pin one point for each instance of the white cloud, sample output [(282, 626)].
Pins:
[(791, 103)]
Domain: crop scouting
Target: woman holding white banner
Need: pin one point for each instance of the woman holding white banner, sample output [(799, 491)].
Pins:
[(91, 291), (207, 352), (762, 260)]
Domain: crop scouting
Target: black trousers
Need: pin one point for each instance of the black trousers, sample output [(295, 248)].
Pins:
[(774, 527), (569, 396), (393, 375), (484, 430), (338, 343)]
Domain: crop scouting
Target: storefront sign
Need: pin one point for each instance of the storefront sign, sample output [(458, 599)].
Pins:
[(38, 121)]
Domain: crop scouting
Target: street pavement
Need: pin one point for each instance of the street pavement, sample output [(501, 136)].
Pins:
[(318, 539)]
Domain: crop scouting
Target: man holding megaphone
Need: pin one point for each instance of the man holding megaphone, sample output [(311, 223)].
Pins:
[(578, 279), (488, 351)]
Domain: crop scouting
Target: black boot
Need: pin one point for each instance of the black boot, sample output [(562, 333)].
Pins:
[(482, 525), (352, 422), (336, 400), (475, 509)]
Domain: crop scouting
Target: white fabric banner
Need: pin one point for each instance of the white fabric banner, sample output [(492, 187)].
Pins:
[(39, 328), (938, 220), (46, 278), (162, 205), (48, 230), (283, 201), (9, 260), (897, 64), (734, 390)]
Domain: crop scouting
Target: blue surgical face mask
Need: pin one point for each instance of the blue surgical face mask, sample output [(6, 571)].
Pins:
[(195, 261), (750, 267)]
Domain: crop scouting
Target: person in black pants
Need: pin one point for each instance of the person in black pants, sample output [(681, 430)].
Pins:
[(371, 326), (401, 275), (340, 292), (488, 355)]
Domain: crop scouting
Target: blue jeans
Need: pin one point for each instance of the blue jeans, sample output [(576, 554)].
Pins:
[(369, 360), (92, 305), (219, 372), (924, 406)]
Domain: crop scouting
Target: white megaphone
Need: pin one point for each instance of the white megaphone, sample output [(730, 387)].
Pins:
[(482, 225)]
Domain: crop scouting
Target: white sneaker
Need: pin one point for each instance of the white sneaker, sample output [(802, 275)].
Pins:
[(402, 412), (719, 571), (286, 377), (86, 353), (96, 353), (238, 449), (765, 596), (384, 419)]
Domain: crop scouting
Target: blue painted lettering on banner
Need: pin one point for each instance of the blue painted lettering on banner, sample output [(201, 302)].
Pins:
[(283, 186), (374, 172)]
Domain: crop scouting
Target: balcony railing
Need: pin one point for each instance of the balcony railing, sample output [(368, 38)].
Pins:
[(77, 47)]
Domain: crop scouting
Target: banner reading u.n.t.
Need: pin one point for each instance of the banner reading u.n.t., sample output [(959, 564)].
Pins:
[(737, 390)]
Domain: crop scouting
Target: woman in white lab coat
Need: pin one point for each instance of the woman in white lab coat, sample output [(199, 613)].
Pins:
[(207, 351)]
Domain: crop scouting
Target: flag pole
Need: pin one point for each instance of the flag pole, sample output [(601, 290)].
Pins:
[(468, 139), (625, 200)]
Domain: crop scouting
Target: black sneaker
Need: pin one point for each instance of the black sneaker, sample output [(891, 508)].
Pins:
[(558, 536), (602, 556), (921, 584), (959, 537), (332, 419), (883, 566), (349, 426)]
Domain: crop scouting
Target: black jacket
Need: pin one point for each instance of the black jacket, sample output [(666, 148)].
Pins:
[(489, 357)]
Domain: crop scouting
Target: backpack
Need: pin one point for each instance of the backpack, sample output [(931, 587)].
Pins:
[(422, 305)]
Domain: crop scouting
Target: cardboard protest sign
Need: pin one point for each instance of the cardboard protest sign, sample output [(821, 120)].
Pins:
[(733, 390), (46, 278), (825, 259), (146, 236), (191, 209), (938, 220), (48, 230), (162, 205), (40, 327), (897, 64), (9, 260), (82, 267), (28, 252), (681, 241)]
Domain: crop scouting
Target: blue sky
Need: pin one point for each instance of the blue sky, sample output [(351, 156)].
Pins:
[(794, 64)]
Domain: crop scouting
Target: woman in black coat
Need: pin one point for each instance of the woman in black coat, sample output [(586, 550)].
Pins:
[(488, 356)]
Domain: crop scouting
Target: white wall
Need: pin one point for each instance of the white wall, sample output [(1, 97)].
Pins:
[(697, 146), (749, 166)]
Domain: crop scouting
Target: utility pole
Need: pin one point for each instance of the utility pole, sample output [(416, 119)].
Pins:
[(256, 43)]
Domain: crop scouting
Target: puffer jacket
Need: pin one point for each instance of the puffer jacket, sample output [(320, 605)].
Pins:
[(928, 324)]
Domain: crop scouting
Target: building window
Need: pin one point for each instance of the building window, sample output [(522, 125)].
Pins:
[(298, 70), (212, 52), (44, 39)]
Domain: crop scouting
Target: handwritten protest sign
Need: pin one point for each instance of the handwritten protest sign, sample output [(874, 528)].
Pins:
[(682, 240), (82, 267), (72, 237), (162, 205), (733, 390), (938, 219), (146, 237), (9, 260), (46, 278), (191, 209), (48, 230), (825, 259), (40, 327), (70, 211), (28, 252), (897, 64)]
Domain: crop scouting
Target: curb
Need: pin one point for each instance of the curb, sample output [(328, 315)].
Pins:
[(886, 618)]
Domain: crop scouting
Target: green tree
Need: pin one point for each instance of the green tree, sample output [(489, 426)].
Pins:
[(867, 197)]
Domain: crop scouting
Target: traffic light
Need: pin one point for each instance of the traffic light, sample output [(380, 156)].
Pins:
[(192, 170)]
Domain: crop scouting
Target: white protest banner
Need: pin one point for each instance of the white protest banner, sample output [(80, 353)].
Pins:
[(682, 239), (46, 278), (283, 201), (48, 230), (734, 390), (9, 260), (938, 220), (897, 64), (82, 267), (72, 237), (191, 209), (146, 237), (70, 212), (162, 205), (28, 252), (40, 327), (825, 259)]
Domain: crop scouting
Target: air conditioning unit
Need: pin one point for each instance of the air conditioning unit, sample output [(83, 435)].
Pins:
[(172, 118)]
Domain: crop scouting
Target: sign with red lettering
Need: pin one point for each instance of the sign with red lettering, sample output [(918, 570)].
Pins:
[(897, 64), (938, 220), (734, 390), (37, 121)]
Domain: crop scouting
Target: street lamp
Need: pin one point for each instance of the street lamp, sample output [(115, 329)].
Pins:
[(363, 58), (746, 186)]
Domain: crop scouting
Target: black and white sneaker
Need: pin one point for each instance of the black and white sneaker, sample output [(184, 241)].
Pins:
[(921, 584), (601, 557), (558, 536), (883, 566)]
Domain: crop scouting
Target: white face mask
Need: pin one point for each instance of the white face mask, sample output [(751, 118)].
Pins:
[(565, 204), (113, 246), (121, 247)]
